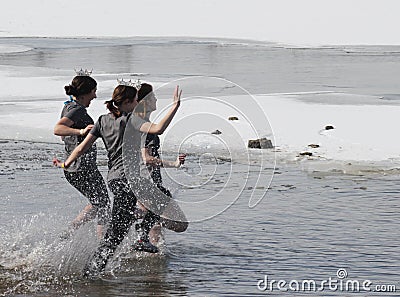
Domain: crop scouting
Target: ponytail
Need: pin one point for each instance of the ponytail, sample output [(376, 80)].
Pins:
[(112, 108), (120, 94)]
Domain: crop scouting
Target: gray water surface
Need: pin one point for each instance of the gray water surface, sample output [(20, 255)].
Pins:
[(307, 227)]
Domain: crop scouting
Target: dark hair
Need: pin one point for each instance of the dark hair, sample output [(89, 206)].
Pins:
[(120, 94), (144, 90), (80, 85)]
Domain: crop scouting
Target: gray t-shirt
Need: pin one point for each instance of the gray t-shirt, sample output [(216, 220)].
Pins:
[(78, 114), (111, 130)]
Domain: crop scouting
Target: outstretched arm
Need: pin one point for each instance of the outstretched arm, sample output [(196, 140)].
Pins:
[(77, 152), (160, 127), (63, 128), (153, 161), (174, 164)]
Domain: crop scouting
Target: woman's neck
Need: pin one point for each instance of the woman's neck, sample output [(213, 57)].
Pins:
[(79, 100), (124, 110)]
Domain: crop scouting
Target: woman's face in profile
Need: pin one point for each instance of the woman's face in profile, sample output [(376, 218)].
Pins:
[(151, 102), (89, 97)]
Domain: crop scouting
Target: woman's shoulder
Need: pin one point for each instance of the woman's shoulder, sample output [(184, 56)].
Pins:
[(105, 117), (73, 110)]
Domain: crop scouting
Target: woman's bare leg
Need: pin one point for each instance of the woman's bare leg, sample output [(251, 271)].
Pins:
[(87, 214), (155, 234)]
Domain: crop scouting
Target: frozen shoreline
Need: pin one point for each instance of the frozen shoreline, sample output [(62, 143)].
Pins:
[(361, 133)]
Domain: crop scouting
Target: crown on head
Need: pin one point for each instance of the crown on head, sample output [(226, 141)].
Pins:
[(83, 72), (138, 84), (129, 83)]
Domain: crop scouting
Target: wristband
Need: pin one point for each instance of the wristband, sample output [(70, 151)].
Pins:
[(81, 132), (62, 165)]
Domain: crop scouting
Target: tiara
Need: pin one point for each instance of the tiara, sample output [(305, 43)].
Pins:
[(83, 72), (129, 83), (138, 84)]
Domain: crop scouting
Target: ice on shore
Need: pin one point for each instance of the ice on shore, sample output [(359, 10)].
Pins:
[(363, 125), (362, 132)]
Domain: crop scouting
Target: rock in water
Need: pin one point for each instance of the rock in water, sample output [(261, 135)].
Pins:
[(262, 143), (314, 145), (306, 154)]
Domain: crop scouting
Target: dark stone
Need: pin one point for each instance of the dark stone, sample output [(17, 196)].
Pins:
[(262, 143), (329, 127), (254, 144), (305, 154), (217, 132), (233, 118), (314, 145)]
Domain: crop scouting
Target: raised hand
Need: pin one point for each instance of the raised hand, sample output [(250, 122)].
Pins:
[(177, 96)]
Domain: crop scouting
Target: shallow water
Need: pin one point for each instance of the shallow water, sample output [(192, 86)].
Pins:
[(308, 226)]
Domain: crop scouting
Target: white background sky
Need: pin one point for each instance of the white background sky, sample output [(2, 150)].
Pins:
[(287, 21)]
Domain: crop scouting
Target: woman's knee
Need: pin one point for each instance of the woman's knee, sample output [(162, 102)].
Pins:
[(174, 225)]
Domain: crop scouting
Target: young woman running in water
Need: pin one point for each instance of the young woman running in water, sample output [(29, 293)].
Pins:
[(111, 128), (83, 174)]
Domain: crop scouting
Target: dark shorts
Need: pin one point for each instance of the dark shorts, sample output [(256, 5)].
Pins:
[(91, 184), (123, 195), (123, 212)]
